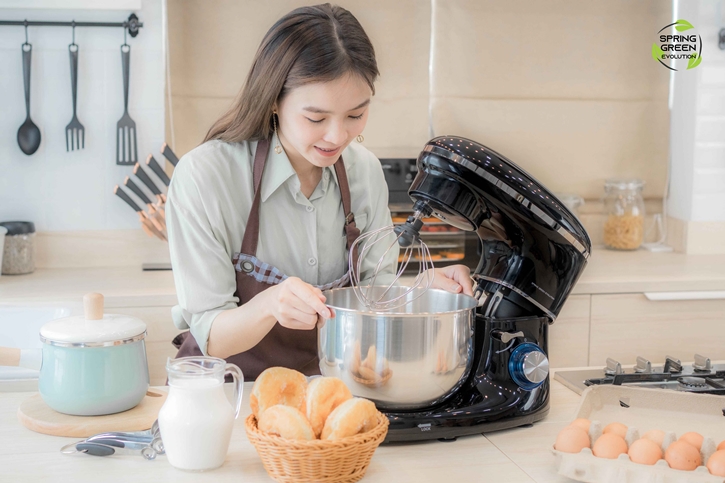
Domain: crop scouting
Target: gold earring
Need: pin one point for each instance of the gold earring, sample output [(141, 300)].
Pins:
[(277, 148), (360, 138)]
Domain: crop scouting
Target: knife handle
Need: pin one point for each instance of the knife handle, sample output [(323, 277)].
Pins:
[(146, 225), (128, 183), (122, 194), (169, 154), (156, 168), (158, 229), (141, 174)]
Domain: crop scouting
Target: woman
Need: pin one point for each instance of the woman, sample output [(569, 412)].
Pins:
[(293, 209)]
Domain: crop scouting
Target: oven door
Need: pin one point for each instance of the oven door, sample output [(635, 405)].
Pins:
[(447, 244)]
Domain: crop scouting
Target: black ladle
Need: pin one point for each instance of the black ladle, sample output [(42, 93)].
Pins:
[(28, 134)]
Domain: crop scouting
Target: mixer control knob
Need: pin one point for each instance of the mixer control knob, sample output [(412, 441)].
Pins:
[(528, 366)]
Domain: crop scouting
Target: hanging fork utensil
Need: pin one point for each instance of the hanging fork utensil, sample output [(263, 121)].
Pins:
[(126, 148), (75, 133)]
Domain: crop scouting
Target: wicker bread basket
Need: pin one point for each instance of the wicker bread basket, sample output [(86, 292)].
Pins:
[(317, 461)]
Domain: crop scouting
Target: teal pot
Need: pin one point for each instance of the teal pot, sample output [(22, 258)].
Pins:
[(93, 365)]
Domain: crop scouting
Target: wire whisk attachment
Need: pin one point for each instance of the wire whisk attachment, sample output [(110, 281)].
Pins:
[(378, 297)]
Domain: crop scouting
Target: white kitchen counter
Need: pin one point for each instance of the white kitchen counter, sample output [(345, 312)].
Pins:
[(517, 455), (607, 272)]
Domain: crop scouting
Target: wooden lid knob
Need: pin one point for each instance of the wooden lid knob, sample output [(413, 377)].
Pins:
[(93, 306)]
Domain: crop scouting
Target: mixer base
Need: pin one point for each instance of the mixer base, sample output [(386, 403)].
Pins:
[(435, 428)]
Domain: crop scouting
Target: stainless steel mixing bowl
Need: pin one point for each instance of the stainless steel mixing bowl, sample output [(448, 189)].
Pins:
[(410, 357)]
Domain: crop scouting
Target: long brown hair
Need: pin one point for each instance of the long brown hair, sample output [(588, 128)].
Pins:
[(320, 43)]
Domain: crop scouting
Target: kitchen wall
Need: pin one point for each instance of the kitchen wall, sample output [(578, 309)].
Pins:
[(212, 44), (567, 89), (65, 192)]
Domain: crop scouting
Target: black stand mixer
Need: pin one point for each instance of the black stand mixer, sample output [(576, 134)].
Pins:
[(533, 250)]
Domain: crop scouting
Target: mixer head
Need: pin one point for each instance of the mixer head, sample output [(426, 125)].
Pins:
[(533, 249), (407, 236)]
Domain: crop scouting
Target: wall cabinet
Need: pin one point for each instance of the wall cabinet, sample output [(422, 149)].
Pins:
[(569, 334), (624, 326)]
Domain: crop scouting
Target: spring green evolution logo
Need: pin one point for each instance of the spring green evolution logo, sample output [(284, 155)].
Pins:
[(674, 45)]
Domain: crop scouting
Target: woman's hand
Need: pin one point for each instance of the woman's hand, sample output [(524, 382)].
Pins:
[(296, 304), (454, 278)]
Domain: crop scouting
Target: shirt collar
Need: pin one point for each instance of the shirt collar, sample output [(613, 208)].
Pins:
[(333, 173), (277, 170)]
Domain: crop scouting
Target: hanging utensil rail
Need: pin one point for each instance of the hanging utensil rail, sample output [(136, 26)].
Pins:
[(132, 24)]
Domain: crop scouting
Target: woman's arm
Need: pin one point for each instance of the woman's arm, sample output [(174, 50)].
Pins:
[(201, 252), (294, 303)]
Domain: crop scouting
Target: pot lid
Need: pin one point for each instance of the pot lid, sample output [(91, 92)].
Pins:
[(79, 330), (94, 326)]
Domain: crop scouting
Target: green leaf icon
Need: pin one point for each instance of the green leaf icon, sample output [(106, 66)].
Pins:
[(694, 62), (682, 25), (657, 53)]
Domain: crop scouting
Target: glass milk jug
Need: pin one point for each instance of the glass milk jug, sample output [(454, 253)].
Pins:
[(196, 419)]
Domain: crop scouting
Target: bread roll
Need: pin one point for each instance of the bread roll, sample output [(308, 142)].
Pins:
[(286, 422), (354, 416), (278, 385), (324, 394)]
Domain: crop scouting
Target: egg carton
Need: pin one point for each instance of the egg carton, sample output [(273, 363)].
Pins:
[(642, 410)]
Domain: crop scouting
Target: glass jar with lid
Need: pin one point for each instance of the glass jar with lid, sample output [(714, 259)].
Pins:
[(624, 209)]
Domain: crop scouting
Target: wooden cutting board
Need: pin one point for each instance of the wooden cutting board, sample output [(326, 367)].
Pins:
[(36, 415)]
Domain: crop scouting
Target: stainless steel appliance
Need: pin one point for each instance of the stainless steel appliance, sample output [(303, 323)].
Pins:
[(410, 357), (700, 376)]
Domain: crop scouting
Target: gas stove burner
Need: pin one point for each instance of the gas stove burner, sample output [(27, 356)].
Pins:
[(702, 376), (692, 382)]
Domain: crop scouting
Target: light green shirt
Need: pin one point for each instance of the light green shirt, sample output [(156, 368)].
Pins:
[(208, 206)]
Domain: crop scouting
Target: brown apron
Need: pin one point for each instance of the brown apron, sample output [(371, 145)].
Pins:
[(296, 349)]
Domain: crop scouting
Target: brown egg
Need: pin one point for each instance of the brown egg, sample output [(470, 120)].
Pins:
[(572, 440), (721, 445), (645, 452), (681, 455), (609, 446), (655, 435), (695, 439), (716, 463), (617, 428), (581, 423)]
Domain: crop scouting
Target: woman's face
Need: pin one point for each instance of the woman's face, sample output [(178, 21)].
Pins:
[(317, 121)]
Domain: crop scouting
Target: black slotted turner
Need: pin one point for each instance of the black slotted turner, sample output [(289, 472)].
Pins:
[(126, 148)]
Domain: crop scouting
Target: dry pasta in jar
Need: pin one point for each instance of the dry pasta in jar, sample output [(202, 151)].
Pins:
[(624, 225)]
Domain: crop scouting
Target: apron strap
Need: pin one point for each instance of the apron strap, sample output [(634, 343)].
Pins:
[(351, 231), (251, 233)]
